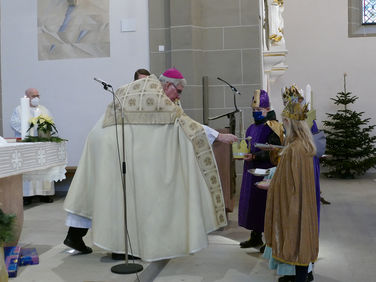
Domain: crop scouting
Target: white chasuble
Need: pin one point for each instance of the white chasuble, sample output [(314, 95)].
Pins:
[(174, 194)]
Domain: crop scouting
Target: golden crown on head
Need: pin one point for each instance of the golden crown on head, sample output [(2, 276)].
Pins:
[(295, 108)]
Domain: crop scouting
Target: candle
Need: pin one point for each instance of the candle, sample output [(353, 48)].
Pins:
[(308, 97), (25, 116)]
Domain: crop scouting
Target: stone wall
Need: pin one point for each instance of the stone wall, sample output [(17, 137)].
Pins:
[(214, 38)]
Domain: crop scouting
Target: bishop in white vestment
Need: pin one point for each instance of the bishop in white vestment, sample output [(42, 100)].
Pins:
[(173, 190)]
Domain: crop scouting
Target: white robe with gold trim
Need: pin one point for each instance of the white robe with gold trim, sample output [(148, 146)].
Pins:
[(174, 195)]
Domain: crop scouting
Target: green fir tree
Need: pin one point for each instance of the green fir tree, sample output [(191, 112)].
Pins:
[(349, 144)]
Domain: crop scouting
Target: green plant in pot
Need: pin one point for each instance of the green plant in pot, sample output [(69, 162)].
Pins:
[(46, 130), (6, 235), (45, 126)]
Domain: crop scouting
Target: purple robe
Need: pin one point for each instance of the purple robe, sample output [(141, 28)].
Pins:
[(252, 200), (316, 166)]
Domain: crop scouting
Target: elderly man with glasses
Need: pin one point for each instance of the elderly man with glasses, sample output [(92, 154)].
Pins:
[(173, 83)]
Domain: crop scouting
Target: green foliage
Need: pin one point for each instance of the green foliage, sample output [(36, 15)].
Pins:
[(43, 123), (349, 143), (6, 227), (45, 128), (43, 139)]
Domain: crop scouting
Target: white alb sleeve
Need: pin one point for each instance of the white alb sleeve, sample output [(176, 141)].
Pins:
[(15, 122), (211, 133)]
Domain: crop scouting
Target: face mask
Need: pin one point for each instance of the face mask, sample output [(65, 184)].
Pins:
[(35, 102), (257, 115)]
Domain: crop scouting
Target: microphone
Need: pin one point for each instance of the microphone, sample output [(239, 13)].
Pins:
[(220, 79), (104, 83), (232, 87)]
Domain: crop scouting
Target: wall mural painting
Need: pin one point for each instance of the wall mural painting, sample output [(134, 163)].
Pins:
[(73, 29)]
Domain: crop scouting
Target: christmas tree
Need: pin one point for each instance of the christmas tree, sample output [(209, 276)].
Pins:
[(349, 144)]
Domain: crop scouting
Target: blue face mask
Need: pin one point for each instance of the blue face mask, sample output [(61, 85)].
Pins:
[(257, 116)]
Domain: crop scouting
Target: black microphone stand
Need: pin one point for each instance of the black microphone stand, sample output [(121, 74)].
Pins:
[(230, 115), (232, 126), (126, 267)]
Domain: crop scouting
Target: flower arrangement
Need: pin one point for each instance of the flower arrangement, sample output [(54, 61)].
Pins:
[(45, 128), (44, 124)]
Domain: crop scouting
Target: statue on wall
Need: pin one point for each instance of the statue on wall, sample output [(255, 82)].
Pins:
[(274, 45), (273, 25)]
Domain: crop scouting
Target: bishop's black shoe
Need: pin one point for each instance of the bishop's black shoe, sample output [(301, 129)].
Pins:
[(74, 240), (78, 246), (254, 241)]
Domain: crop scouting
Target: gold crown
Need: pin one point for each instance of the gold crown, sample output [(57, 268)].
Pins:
[(291, 94), (295, 110), (239, 149)]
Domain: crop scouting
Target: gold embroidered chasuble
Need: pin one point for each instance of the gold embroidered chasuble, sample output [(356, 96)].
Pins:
[(291, 225), (174, 194)]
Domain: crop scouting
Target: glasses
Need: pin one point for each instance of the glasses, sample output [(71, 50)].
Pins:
[(177, 90)]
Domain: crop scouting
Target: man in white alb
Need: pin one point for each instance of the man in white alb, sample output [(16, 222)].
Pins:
[(44, 189)]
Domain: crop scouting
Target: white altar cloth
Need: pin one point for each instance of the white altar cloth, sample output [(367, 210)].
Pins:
[(40, 160)]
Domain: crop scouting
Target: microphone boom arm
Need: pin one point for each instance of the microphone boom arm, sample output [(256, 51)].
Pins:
[(234, 90)]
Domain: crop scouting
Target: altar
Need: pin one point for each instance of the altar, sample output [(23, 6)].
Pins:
[(40, 161)]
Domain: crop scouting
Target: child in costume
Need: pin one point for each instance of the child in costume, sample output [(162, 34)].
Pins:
[(265, 129), (291, 222)]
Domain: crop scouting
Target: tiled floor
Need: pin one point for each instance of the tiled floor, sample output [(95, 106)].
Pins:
[(347, 246)]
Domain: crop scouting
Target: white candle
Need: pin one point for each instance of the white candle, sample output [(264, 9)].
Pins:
[(25, 116), (308, 97), (241, 126)]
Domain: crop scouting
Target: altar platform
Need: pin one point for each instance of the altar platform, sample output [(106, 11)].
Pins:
[(30, 161)]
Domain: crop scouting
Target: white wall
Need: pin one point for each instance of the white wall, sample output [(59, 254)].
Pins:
[(67, 87), (319, 52)]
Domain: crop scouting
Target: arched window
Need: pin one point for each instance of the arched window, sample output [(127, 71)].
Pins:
[(369, 12)]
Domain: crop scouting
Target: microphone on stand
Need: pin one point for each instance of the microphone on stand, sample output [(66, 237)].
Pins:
[(232, 87), (104, 83), (123, 268)]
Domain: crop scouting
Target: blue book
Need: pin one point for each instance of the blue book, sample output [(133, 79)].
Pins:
[(28, 256)]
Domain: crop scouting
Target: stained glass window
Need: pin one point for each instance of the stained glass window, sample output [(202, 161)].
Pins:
[(369, 11)]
